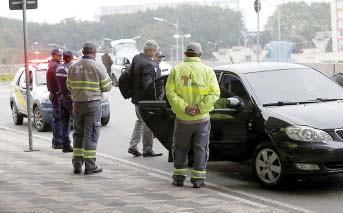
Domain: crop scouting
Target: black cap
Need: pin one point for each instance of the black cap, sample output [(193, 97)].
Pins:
[(67, 53), (56, 52), (159, 54)]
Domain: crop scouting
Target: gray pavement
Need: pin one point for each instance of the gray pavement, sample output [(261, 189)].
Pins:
[(43, 182)]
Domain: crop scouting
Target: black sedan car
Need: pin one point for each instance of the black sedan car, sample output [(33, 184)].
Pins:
[(285, 117)]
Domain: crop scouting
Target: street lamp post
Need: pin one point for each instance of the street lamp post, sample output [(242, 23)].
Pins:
[(177, 32), (182, 42)]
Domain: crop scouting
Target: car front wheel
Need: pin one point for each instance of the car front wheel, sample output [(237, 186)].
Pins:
[(38, 120), (267, 166), (16, 116)]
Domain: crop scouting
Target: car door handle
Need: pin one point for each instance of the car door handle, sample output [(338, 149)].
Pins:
[(154, 111)]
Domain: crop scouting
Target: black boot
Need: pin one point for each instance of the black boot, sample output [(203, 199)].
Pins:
[(57, 146), (67, 148), (178, 180), (96, 170), (198, 183)]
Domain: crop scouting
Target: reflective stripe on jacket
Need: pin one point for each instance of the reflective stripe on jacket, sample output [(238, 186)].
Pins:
[(192, 83), (87, 80)]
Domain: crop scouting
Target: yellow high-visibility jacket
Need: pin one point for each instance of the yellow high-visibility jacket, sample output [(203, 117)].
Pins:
[(192, 83)]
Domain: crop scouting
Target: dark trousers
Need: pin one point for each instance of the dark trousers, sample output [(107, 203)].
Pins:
[(65, 115), (56, 121), (187, 136), (87, 123)]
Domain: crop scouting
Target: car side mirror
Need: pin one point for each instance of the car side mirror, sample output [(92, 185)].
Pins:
[(123, 70), (126, 62), (234, 102)]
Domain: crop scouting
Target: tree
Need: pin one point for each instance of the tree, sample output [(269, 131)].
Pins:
[(300, 20), (204, 23)]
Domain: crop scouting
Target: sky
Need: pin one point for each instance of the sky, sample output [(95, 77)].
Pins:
[(54, 11)]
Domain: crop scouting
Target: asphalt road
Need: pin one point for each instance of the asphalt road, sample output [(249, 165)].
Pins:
[(320, 194)]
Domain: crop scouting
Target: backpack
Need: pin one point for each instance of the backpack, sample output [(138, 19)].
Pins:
[(125, 83)]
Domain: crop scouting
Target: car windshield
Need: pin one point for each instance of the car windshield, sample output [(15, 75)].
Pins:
[(285, 87), (40, 77)]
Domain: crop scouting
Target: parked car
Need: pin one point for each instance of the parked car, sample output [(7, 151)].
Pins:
[(285, 117), (41, 105)]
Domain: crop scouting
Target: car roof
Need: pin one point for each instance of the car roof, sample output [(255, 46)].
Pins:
[(243, 68)]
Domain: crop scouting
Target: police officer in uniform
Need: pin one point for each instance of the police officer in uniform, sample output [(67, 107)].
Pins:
[(66, 108), (192, 90), (56, 56), (87, 80)]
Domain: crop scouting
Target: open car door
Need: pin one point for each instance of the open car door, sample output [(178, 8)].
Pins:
[(156, 112)]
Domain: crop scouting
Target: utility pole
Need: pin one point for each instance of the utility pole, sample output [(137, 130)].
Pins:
[(24, 5), (257, 6), (177, 40), (334, 26), (279, 30)]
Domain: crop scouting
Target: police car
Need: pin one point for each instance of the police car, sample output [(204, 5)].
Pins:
[(41, 105)]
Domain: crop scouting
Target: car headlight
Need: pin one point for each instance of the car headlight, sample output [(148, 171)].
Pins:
[(305, 133)]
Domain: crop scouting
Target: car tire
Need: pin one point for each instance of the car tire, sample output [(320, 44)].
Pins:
[(105, 120), (267, 166), (16, 116), (38, 120), (114, 79)]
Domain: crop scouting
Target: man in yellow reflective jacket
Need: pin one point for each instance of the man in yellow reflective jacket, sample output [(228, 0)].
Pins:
[(192, 90)]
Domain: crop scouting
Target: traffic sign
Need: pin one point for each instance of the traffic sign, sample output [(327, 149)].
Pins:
[(18, 4), (257, 6)]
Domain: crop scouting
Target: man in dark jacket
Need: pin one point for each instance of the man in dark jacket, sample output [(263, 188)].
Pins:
[(143, 72), (56, 56), (66, 108)]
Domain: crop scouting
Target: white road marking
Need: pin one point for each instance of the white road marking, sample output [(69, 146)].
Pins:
[(145, 168)]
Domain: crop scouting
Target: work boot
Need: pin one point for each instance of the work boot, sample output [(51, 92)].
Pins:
[(178, 180), (57, 146), (152, 154), (198, 183), (177, 183), (96, 170), (134, 152), (77, 171), (67, 148)]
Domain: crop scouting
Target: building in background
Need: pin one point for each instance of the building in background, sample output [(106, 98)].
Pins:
[(154, 4)]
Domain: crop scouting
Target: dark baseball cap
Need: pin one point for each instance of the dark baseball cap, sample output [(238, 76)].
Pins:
[(56, 52), (67, 53), (160, 54), (89, 47)]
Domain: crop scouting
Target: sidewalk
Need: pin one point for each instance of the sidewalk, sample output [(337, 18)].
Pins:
[(43, 182)]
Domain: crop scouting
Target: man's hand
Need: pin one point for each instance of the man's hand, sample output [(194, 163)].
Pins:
[(192, 110)]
